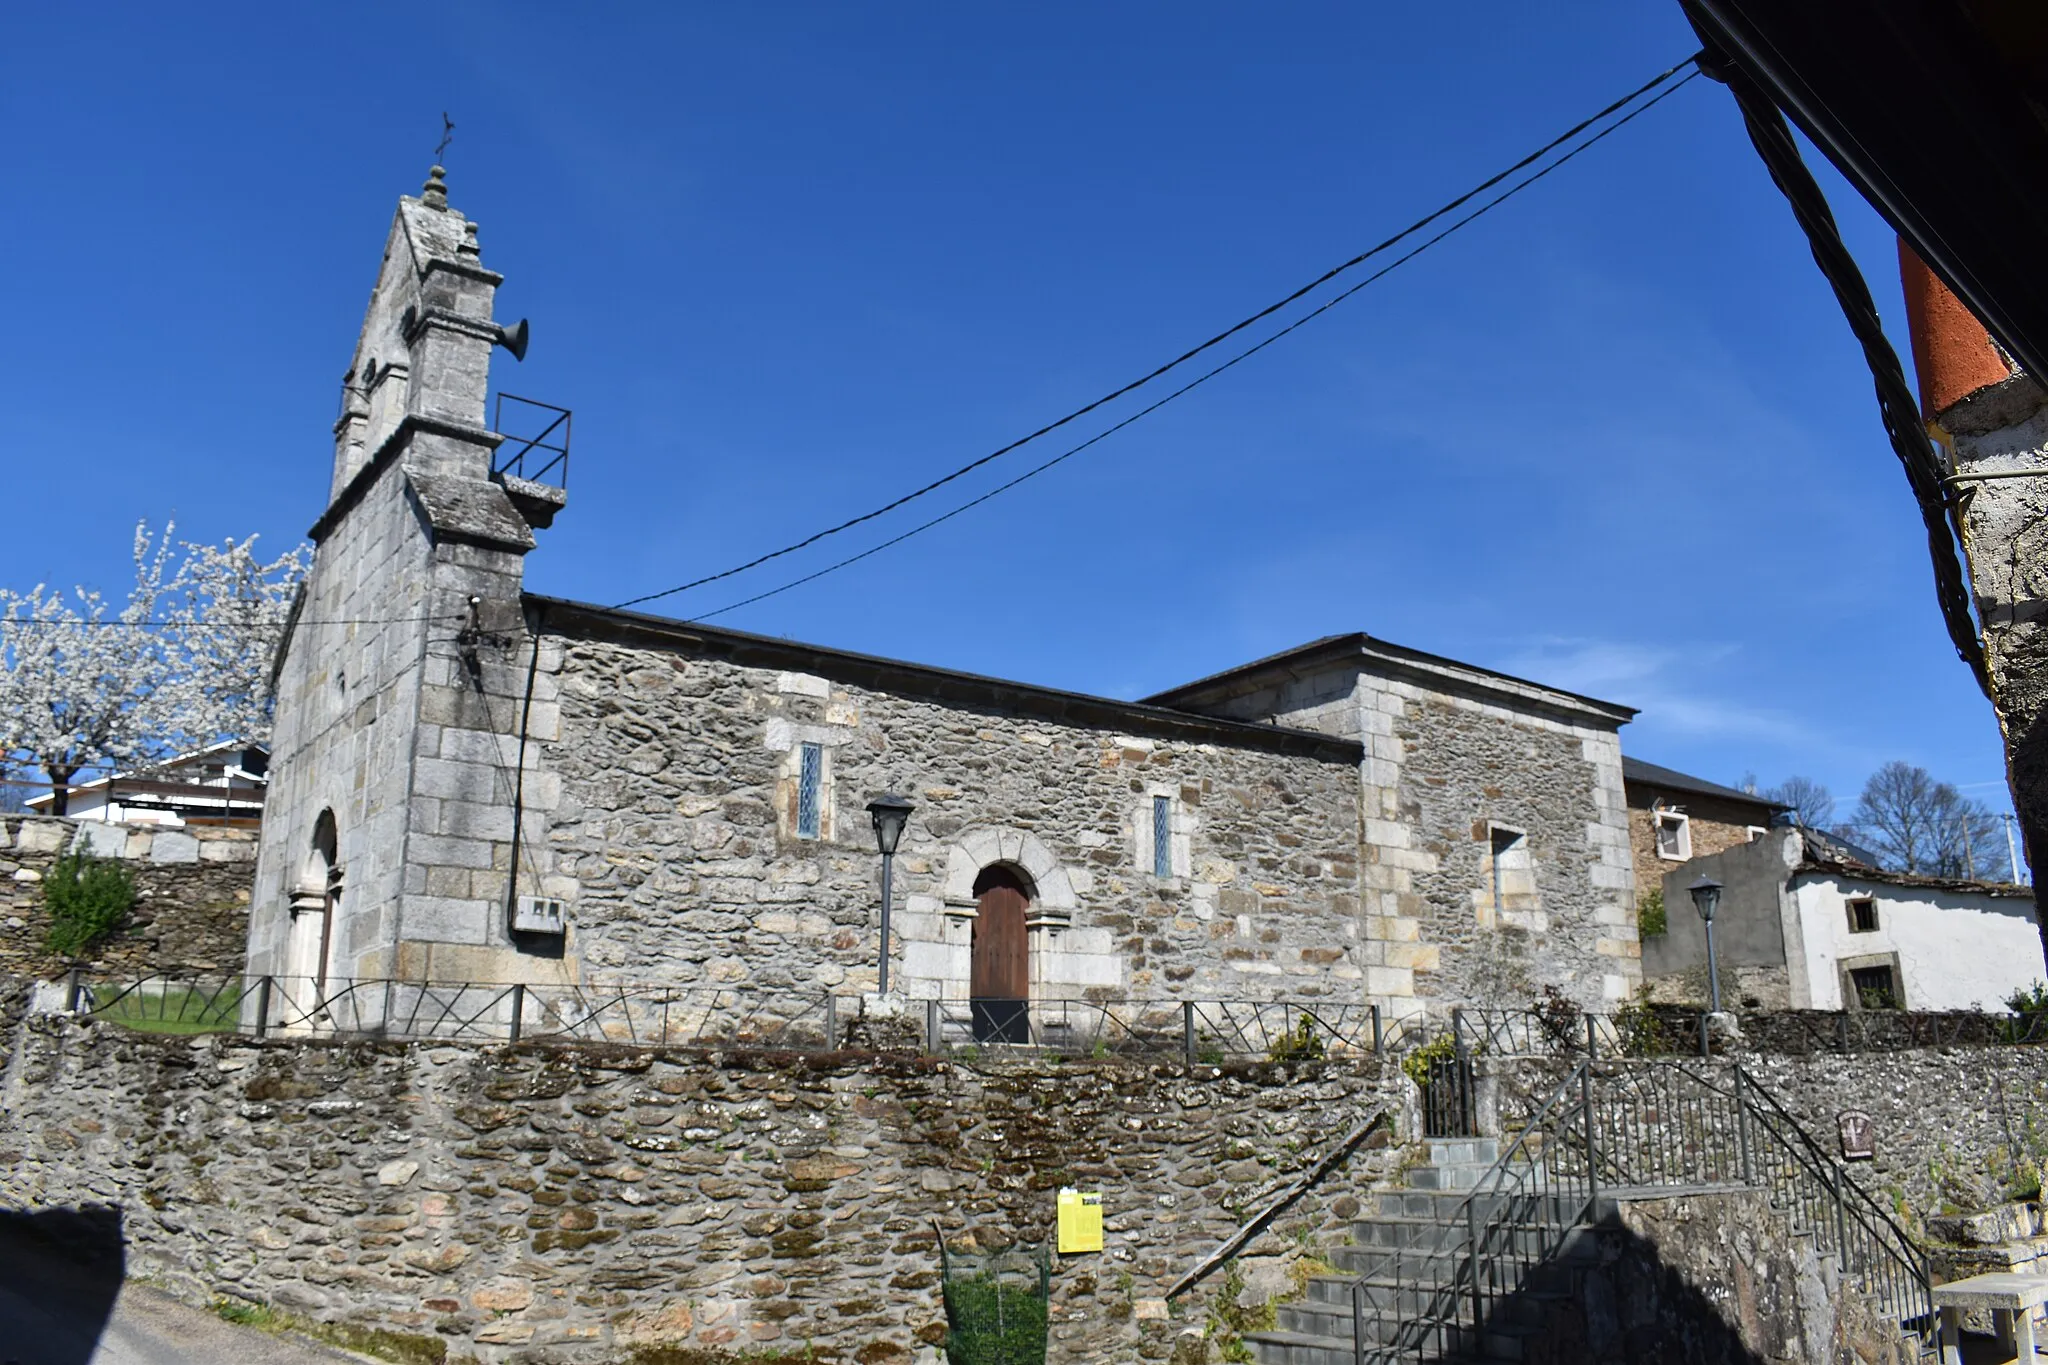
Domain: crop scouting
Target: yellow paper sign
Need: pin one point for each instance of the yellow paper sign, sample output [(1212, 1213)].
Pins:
[(1080, 1221)]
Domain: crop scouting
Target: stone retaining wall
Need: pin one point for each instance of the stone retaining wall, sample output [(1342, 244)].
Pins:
[(537, 1205), (191, 895), (542, 1205), (1951, 1124)]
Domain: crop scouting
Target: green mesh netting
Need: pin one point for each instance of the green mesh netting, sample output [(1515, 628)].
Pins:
[(995, 1306)]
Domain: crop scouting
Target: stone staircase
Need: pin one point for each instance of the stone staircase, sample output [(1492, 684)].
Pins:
[(1410, 1248)]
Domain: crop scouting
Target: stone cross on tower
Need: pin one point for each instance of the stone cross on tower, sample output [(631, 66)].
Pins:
[(383, 823)]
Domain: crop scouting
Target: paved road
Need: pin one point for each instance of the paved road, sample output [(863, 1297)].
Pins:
[(60, 1309)]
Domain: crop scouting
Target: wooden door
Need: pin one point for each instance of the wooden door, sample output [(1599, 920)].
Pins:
[(1002, 964)]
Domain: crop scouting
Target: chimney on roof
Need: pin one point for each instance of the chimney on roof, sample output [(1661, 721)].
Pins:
[(1953, 356)]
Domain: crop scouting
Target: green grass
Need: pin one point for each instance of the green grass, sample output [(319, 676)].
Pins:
[(245, 1314), (176, 1009), (401, 1348)]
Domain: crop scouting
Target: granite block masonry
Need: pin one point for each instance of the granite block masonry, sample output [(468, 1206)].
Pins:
[(1494, 824), (473, 782)]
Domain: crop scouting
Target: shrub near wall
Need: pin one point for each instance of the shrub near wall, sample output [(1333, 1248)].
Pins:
[(580, 1206), (191, 908)]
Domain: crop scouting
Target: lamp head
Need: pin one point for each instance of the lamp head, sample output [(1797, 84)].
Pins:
[(890, 813), (1706, 897)]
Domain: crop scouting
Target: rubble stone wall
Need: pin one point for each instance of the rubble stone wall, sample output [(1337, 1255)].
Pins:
[(191, 896), (1450, 761), (1952, 1126), (557, 1206), (1955, 1129), (675, 844)]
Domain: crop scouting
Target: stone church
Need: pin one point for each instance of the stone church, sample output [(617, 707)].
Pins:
[(472, 782)]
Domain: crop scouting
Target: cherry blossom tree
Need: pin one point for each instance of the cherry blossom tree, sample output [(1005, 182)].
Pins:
[(182, 663)]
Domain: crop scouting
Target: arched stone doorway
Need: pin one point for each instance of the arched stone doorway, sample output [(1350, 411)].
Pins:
[(314, 900), (1062, 961), (1000, 955)]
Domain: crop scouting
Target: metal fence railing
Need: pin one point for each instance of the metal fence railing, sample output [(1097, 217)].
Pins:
[(1195, 1031), (1191, 1030)]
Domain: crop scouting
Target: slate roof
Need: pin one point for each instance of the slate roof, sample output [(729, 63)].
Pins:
[(1857, 872), (1827, 846), (1635, 771), (1432, 670)]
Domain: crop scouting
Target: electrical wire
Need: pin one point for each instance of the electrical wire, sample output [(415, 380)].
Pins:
[(1185, 356), (1940, 516), (223, 625), (1204, 378)]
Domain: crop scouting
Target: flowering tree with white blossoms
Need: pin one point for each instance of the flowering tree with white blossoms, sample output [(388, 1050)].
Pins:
[(183, 663)]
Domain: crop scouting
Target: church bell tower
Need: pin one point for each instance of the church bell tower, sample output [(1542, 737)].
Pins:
[(385, 831)]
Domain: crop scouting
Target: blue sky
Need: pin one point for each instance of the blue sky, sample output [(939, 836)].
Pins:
[(787, 261)]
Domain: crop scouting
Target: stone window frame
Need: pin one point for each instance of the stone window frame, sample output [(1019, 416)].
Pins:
[(1180, 830), (1683, 827), (1496, 893), (1850, 904), (788, 738), (813, 776), (1846, 969)]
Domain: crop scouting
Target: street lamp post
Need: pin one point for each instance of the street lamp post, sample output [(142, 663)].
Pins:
[(1706, 898), (890, 813)]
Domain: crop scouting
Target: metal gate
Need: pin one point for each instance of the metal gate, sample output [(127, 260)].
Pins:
[(1448, 1110)]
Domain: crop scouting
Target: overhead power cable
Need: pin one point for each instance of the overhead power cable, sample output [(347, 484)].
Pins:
[(1204, 378), (1940, 516), (1418, 225), (222, 625)]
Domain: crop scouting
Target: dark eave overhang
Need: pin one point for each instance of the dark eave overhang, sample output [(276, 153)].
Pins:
[(1934, 112), (583, 620), (1641, 778), (1856, 872), (1410, 665)]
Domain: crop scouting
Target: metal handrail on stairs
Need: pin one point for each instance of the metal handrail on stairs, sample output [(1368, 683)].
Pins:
[(1328, 1162), (1638, 1126), (1823, 1199), (1522, 1193)]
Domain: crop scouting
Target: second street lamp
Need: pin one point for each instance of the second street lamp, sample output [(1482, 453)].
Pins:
[(890, 813), (1706, 898)]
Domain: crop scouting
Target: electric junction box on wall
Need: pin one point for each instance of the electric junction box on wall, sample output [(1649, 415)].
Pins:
[(538, 915)]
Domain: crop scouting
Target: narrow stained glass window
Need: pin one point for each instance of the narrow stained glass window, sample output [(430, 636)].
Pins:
[(1162, 836), (810, 776)]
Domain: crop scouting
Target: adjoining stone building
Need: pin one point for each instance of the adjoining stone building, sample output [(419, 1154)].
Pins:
[(1674, 817), (473, 782)]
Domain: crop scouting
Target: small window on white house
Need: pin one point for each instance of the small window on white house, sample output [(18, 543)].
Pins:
[(810, 781), (1876, 988), (1862, 915), (1674, 836), (1162, 836)]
